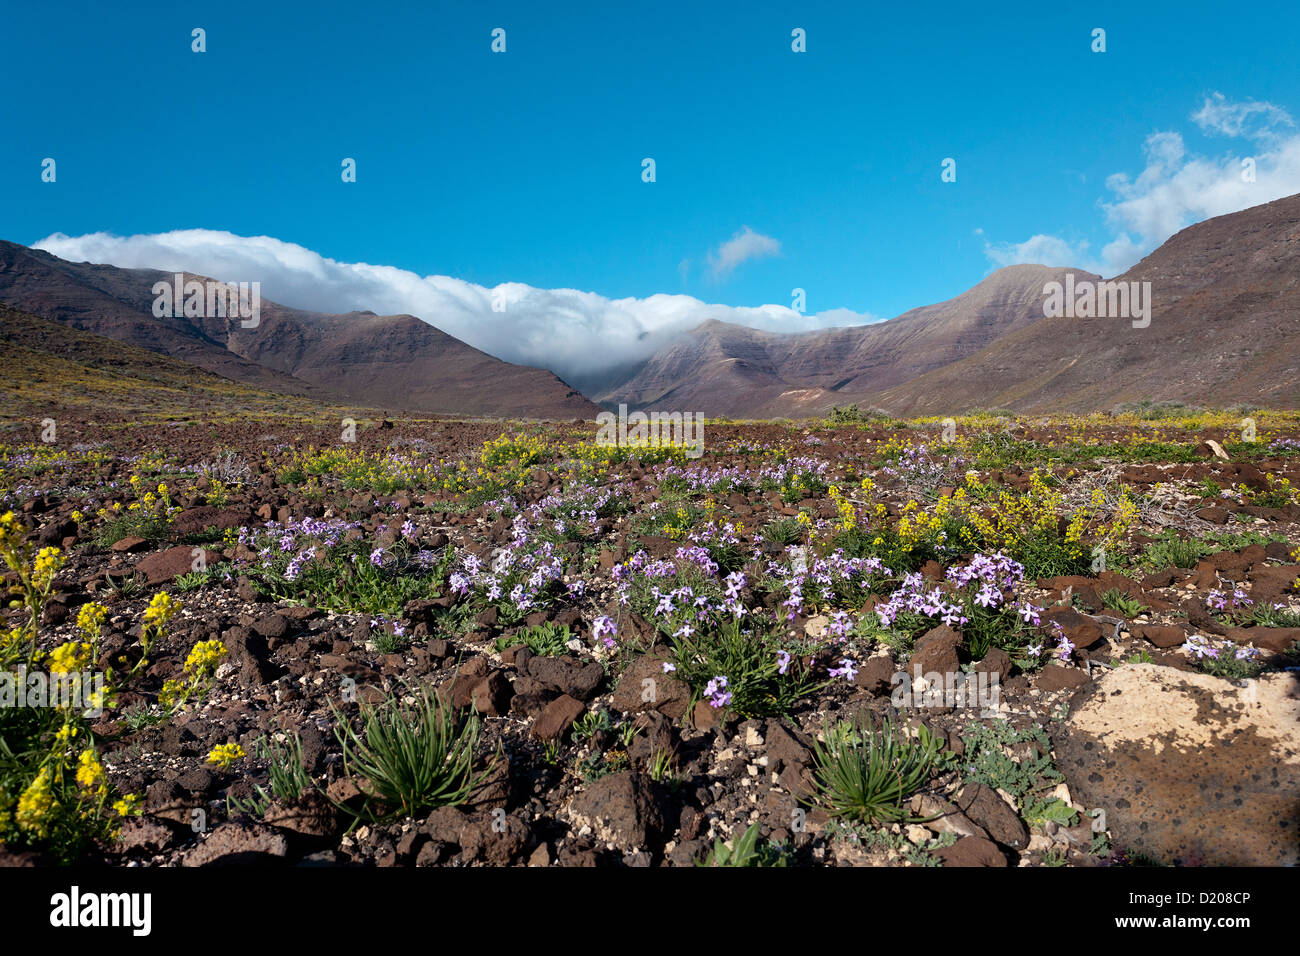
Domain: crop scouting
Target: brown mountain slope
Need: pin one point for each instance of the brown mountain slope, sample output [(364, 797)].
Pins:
[(53, 370), (1225, 328), (396, 362), (730, 370)]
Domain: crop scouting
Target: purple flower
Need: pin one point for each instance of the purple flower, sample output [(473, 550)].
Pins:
[(716, 691), (847, 669), (603, 629), (783, 661)]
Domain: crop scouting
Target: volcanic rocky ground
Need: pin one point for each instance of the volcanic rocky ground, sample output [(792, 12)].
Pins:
[(1188, 767)]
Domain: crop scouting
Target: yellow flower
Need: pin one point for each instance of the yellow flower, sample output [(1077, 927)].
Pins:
[(67, 733), (69, 657), (90, 772), (203, 657), (91, 618), (47, 563), (161, 609), (173, 691), (127, 805), (35, 805), (223, 755)]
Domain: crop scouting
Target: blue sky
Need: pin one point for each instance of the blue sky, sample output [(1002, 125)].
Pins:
[(525, 167)]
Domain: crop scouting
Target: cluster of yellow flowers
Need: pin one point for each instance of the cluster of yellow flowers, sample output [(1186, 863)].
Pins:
[(161, 609), (90, 773), (1278, 494), (204, 657), (35, 577), (91, 618), (47, 564), (848, 515), (71, 656), (223, 755), (680, 524), (151, 505), (36, 805), (921, 526), (200, 666)]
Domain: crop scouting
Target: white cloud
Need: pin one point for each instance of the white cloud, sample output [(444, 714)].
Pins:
[(1177, 188), (1040, 250), (575, 334), (744, 245), (1221, 115)]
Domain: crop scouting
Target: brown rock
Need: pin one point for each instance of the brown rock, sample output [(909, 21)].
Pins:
[(1187, 766), (1161, 635), (972, 851), (557, 717), (164, 567), (936, 651), (1054, 677), (645, 686)]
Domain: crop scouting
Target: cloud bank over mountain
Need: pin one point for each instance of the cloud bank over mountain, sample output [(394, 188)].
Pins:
[(578, 335)]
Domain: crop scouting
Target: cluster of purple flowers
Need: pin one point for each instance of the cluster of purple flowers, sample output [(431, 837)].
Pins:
[(800, 467), (987, 581), (690, 602), (811, 584), (604, 629), (847, 669), (1227, 603), (915, 465), (1199, 647), (914, 597), (523, 571), (716, 691), (718, 481), (575, 512)]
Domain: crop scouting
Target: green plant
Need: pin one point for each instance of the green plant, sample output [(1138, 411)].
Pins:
[(542, 640), (1117, 600), (413, 756), (194, 580), (124, 587), (989, 762), (288, 778), (746, 850), (783, 531), (661, 765), (750, 666), (865, 775), (591, 723), (1173, 552), (1269, 616), (551, 753), (1039, 811)]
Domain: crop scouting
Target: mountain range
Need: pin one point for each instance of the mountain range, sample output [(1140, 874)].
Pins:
[(1224, 328)]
